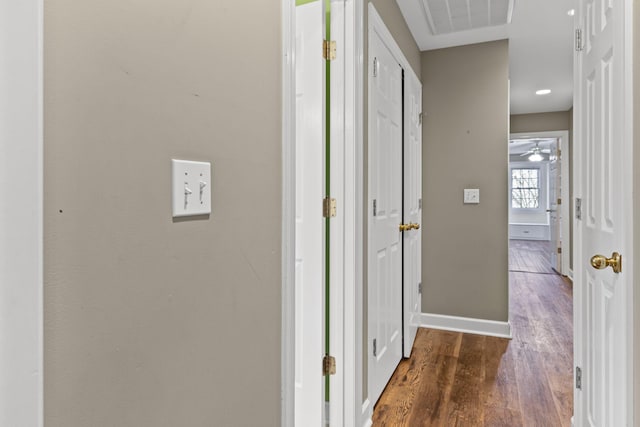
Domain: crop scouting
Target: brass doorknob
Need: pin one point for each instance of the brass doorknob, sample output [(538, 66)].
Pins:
[(601, 262), (410, 226), (405, 227)]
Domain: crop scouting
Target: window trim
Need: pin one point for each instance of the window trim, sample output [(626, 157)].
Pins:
[(543, 173), (531, 185)]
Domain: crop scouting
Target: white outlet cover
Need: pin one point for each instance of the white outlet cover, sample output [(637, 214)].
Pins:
[(191, 188), (471, 195)]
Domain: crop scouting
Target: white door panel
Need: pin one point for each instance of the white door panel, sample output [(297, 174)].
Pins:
[(385, 191), (309, 222), (412, 240), (601, 309)]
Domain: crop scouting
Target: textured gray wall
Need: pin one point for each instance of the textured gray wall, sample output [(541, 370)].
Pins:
[(151, 322), (465, 133), (540, 122)]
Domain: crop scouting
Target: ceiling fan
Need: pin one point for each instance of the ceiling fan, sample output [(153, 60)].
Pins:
[(535, 153), (536, 149)]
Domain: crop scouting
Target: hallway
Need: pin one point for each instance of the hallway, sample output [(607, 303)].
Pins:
[(456, 379)]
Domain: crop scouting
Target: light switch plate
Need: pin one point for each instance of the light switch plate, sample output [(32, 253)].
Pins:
[(471, 195), (191, 187)]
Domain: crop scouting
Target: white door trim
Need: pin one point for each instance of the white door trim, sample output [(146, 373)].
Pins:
[(287, 366), (21, 219), (355, 407), (629, 40), (563, 136), (346, 300), (338, 263)]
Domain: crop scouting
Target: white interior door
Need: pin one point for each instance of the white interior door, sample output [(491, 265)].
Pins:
[(602, 312), (385, 216), (555, 191), (412, 239), (309, 283)]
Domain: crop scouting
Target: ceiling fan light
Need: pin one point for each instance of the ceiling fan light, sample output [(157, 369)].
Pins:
[(536, 157)]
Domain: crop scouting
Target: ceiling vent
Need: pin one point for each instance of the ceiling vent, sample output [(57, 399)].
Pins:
[(450, 16)]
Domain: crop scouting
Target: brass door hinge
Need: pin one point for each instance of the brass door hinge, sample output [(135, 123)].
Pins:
[(579, 46), (328, 365), (559, 201), (329, 207), (559, 250), (329, 50)]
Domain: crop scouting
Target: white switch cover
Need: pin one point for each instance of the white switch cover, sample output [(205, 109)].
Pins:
[(471, 195), (191, 187)]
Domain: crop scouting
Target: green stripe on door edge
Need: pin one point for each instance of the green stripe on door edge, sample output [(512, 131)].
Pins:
[(328, 194), (302, 2)]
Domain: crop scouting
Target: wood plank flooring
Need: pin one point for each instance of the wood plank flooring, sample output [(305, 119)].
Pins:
[(456, 379)]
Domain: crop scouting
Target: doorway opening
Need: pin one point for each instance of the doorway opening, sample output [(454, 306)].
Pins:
[(539, 182), (540, 285)]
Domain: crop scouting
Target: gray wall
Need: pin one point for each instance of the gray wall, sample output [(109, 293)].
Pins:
[(151, 322), (465, 133), (540, 122), (393, 19)]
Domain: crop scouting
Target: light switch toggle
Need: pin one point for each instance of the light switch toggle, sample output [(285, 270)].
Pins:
[(202, 185), (187, 193)]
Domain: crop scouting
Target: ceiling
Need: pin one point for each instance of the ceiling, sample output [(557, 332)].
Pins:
[(540, 34)]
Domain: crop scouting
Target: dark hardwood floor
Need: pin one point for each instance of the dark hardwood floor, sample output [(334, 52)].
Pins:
[(456, 379)]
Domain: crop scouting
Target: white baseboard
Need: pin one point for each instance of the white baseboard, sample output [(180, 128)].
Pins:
[(527, 231), (466, 324)]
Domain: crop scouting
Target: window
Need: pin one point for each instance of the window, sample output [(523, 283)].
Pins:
[(525, 188)]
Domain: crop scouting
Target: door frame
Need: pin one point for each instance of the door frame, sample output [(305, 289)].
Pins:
[(21, 230), (563, 137), (346, 236)]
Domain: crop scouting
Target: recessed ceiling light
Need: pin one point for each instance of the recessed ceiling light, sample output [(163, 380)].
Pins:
[(543, 92), (571, 12)]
